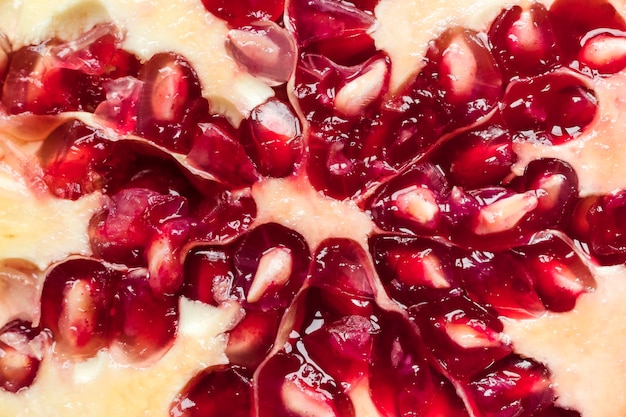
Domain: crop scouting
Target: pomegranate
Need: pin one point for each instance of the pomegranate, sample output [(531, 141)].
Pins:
[(285, 209)]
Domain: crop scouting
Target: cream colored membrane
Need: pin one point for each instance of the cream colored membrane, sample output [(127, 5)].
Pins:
[(40, 228), (151, 26), (294, 203), (584, 348), (99, 387)]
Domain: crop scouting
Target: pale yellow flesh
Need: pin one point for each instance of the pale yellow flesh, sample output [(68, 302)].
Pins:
[(582, 348)]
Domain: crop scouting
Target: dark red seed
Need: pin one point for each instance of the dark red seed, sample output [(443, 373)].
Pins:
[(19, 363)]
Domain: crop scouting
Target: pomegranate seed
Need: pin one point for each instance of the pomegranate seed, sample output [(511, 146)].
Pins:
[(478, 157), (18, 362), (464, 336), (463, 72), (363, 89), (275, 138), (572, 20), (412, 202), (216, 391), (119, 109), (523, 41), (605, 53), (559, 273), (413, 270), (606, 237), (221, 155), (163, 254), (266, 50), (170, 103), (252, 339), (552, 108), (143, 325), (514, 386), (336, 29), (77, 296), (208, 275), (501, 281), (244, 12)]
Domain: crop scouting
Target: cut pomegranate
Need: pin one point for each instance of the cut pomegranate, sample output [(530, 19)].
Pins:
[(422, 206)]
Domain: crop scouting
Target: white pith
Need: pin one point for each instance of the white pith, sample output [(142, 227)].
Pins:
[(582, 348)]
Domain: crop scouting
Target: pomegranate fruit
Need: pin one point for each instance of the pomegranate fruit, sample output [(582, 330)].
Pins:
[(286, 209)]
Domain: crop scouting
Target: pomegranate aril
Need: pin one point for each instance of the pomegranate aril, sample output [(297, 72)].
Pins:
[(336, 29), (252, 338), (501, 281), (222, 217), (523, 41), (462, 72), (271, 263), (607, 237), (464, 337), (217, 391), (477, 157), (163, 254), (170, 103), (18, 361), (413, 202), (275, 142), (75, 159), (265, 50), (513, 386), (119, 109), (143, 325), (208, 274), (414, 270), (241, 13), (604, 53), (573, 20), (217, 152), (402, 382), (76, 300), (559, 272), (552, 108)]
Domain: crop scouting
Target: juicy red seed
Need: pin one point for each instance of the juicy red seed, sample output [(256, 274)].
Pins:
[(523, 41), (75, 159), (552, 108), (170, 104), (224, 217), (253, 338), (400, 374), (217, 391), (119, 109), (604, 53), (143, 325), (163, 254), (338, 30), (76, 300), (414, 270), (275, 142), (244, 12), (572, 20), (560, 274), (342, 267), (270, 265), (501, 281), (215, 151), (607, 237), (121, 232), (18, 362), (513, 387), (464, 337), (208, 274), (290, 383), (478, 157), (412, 202), (462, 71), (266, 50)]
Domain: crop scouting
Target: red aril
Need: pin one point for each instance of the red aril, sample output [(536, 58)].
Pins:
[(244, 12), (18, 361)]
